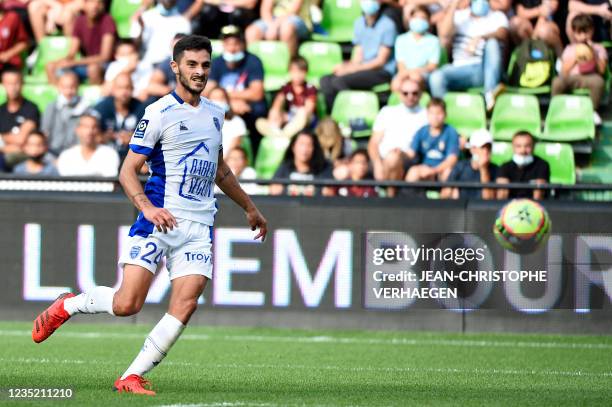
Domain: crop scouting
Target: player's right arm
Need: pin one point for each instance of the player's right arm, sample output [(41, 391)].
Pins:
[(128, 177)]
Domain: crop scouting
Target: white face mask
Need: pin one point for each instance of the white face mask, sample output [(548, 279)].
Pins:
[(475, 158), (522, 160)]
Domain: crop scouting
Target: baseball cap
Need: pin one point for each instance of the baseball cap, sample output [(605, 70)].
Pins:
[(230, 31), (480, 138)]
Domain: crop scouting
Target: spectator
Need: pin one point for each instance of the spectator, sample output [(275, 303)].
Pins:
[(358, 170), (335, 147), (534, 19), (372, 63), (163, 79), (128, 61), (216, 15), (282, 20), (39, 161), (600, 12), (61, 117), (417, 52), (18, 116), (94, 37), (88, 158), (392, 134), (583, 63), (238, 162), (479, 34), (158, 26), (13, 39), (436, 144), (294, 106), (478, 168), (241, 74), (119, 114), (46, 15), (303, 161), (524, 167), (234, 128)]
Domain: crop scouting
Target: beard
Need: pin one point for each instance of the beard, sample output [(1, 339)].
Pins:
[(185, 83)]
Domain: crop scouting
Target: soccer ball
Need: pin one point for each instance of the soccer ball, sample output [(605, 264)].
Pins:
[(522, 226)]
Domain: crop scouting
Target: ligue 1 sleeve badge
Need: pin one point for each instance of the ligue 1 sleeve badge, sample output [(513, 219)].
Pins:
[(142, 127)]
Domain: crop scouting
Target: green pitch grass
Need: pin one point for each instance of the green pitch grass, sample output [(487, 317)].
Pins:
[(228, 367)]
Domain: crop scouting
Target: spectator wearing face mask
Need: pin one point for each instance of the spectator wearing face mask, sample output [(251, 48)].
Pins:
[(61, 117), (524, 167), (234, 128), (39, 161), (478, 168), (417, 52)]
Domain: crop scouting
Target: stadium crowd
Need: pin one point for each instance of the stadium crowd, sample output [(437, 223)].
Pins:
[(410, 50)]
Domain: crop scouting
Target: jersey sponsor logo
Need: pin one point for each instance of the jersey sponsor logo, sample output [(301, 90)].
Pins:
[(182, 126), (217, 124), (198, 175), (142, 127), (134, 252), (194, 256)]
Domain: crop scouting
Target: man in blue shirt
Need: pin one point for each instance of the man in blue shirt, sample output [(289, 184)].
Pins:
[(372, 62), (437, 145), (241, 74)]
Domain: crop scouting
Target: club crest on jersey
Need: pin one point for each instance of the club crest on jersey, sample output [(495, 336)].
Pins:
[(134, 252), (141, 128), (217, 124)]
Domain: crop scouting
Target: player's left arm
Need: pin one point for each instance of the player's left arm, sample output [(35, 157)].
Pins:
[(227, 182)]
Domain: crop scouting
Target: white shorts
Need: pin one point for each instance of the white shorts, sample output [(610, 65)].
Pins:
[(187, 249)]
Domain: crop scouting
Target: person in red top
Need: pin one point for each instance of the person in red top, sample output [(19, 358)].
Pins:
[(94, 37), (294, 106), (13, 39), (358, 169)]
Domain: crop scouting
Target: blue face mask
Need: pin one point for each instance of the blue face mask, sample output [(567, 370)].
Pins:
[(167, 12), (480, 8), (233, 58), (369, 7), (419, 25)]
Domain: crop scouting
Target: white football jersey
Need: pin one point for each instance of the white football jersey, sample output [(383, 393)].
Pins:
[(182, 145)]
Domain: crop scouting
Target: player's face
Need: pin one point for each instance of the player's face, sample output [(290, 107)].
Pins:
[(192, 70)]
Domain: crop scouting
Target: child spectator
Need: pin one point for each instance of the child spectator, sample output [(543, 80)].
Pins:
[(583, 63), (94, 37), (303, 161), (478, 168), (335, 147), (238, 162), (39, 161), (358, 170), (294, 106), (600, 12), (372, 64), (13, 39), (417, 52), (282, 20), (437, 145), (234, 128)]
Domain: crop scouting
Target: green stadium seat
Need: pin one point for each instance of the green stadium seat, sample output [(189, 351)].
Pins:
[(569, 118), (465, 112), (269, 156), (91, 93), (2, 95), (560, 158), (322, 57), (245, 142), (274, 56), (217, 48), (513, 113), (49, 49), (355, 104), (394, 99), (338, 20), (40, 94), (122, 12), (600, 169)]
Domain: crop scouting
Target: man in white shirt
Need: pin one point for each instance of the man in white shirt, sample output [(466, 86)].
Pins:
[(88, 158), (393, 131), (478, 35)]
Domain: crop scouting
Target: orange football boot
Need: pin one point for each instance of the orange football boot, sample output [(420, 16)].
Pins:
[(133, 384), (50, 319)]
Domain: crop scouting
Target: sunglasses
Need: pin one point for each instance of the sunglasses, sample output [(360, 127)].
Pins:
[(411, 93)]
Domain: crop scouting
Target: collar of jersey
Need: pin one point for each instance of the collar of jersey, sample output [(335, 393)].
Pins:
[(182, 102)]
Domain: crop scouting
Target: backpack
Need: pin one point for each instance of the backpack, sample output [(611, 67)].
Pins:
[(533, 65)]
